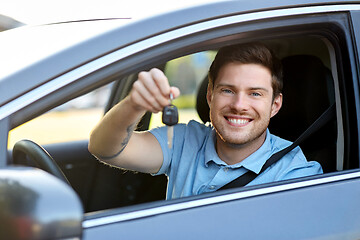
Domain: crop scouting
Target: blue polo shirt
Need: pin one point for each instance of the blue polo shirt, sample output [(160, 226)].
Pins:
[(193, 166)]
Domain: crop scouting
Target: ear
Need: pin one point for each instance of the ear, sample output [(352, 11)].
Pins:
[(209, 94), (276, 105)]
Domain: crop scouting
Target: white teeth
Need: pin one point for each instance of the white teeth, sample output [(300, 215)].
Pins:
[(238, 121)]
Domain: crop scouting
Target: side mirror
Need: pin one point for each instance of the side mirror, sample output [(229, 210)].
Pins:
[(37, 205)]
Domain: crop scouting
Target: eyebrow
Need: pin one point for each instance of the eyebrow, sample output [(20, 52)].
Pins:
[(259, 88), (224, 85)]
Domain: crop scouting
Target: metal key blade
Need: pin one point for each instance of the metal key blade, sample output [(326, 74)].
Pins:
[(170, 135)]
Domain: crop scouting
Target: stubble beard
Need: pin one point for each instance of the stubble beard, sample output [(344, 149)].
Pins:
[(242, 137)]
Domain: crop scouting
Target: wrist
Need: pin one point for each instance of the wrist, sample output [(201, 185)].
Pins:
[(134, 108)]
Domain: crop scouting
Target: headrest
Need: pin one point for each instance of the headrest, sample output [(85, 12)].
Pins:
[(307, 93), (202, 106)]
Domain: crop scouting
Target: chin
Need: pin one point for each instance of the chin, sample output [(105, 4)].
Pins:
[(241, 140)]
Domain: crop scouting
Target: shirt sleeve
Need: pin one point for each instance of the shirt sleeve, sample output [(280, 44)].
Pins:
[(160, 134)]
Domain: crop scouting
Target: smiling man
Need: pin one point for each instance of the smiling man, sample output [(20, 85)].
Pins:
[(244, 92)]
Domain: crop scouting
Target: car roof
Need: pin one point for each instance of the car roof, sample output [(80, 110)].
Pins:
[(33, 55)]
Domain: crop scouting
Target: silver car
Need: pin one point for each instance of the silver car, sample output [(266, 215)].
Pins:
[(83, 68)]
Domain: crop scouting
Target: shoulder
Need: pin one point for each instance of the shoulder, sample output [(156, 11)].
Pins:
[(195, 134), (193, 127), (278, 143), (294, 164), (294, 156), (197, 127)]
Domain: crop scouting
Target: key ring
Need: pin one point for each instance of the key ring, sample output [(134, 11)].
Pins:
[(171, 97)]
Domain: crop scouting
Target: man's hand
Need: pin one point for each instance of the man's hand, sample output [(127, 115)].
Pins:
[(151, 92)]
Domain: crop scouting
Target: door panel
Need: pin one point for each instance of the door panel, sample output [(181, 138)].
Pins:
[(100, 186), (78, 165), (326, 211)]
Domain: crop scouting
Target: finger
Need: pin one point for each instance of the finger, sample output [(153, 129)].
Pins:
[(175, 92), (161, 81), (141, 102), (141, 95), (151, 81)]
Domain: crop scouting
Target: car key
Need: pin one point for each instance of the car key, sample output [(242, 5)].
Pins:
[(170, 117)]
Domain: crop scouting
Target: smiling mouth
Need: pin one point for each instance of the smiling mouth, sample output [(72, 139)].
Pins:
[(238, 121)]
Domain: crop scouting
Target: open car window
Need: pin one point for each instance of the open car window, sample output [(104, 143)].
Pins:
[(187, 73), (310, 74), (71, 121)]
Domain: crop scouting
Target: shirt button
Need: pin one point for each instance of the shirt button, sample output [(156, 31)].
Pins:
[(226, 169), (212, 187)]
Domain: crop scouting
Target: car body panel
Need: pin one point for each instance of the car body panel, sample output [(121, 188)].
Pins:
[(35, 61)]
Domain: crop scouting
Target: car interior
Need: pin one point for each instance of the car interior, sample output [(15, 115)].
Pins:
[(309, 89)]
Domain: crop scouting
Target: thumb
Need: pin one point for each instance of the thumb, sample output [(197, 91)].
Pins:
[(175, 92)]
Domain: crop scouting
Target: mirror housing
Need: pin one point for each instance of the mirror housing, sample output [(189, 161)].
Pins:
[(36, 205)]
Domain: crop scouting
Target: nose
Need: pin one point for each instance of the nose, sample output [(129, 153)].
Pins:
[(240, 102)]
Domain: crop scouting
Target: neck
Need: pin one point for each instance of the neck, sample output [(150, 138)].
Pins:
[(235, 153)]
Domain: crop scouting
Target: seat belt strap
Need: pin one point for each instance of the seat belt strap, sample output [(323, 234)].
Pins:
[(250, 175)]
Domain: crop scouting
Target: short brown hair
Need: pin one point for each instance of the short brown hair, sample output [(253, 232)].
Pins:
[(249, 53)]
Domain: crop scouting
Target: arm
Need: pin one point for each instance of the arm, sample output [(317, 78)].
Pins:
[(114, 141)]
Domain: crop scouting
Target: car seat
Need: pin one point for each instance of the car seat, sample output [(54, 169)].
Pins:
[(308, 91)]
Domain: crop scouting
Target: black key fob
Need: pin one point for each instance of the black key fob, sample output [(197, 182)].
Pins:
[(170, 115)]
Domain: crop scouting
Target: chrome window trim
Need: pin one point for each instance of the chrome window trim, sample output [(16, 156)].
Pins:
[(99, 63), (212, 200)]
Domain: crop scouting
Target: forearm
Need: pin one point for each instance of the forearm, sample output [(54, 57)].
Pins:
[(113, 139), (109, 138)]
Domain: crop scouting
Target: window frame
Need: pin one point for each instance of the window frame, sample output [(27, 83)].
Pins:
[(229, 34)]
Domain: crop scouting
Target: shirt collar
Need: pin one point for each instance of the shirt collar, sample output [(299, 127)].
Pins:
[(254, 162)]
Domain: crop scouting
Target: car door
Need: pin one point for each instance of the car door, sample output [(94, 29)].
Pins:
[(314, 207), (323, 206)]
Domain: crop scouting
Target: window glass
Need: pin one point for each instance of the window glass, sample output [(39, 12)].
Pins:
[(68, 122), (186, 73)]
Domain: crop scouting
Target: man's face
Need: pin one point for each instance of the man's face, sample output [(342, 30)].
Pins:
[(241, 104)]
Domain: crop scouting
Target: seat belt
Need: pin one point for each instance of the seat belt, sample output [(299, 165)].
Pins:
[(250, 175)]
